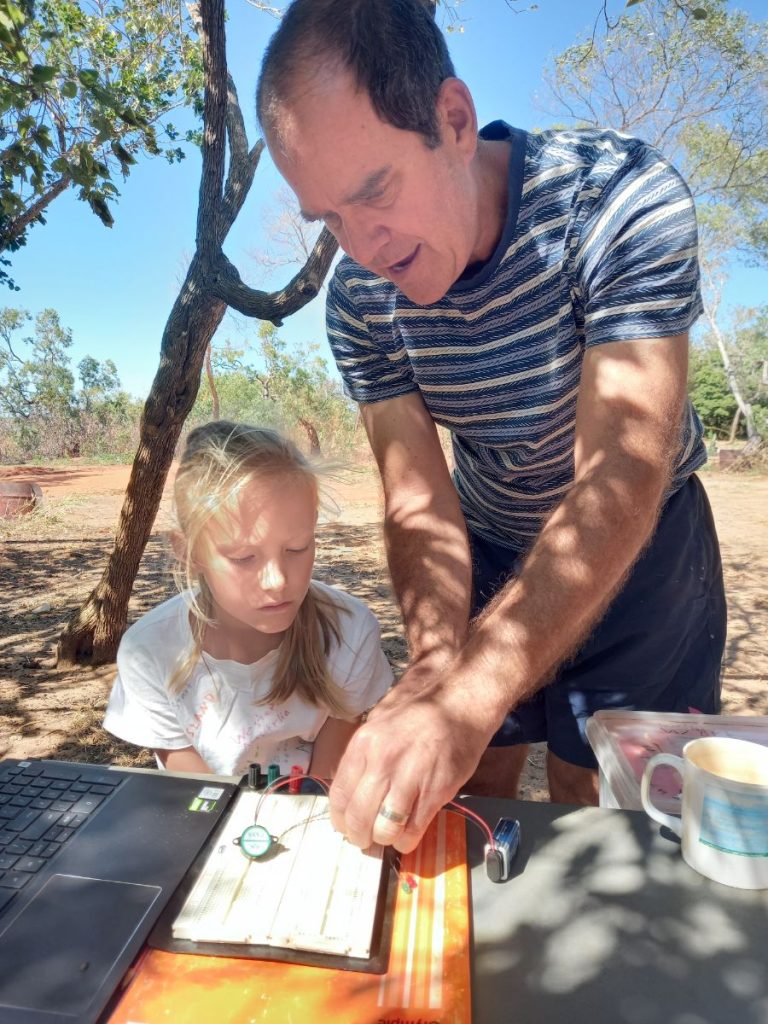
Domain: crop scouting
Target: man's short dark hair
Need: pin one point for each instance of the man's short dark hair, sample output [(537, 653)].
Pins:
[(393, 49)]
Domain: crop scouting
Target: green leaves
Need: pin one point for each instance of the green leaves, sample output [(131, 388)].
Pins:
[(126, 159), (286, 386), (13, 18), (84, 87), (88, 77), (100, 208), (42, 74)]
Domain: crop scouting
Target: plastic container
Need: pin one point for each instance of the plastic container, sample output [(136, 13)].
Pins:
[(623, 742)]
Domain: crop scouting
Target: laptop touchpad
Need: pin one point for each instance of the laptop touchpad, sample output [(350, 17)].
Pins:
[(58, 952)]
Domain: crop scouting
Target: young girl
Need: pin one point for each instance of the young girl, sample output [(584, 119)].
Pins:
[(254, 660)]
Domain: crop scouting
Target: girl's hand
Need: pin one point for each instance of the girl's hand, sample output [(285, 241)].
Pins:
[(329, 746), (185, 760)]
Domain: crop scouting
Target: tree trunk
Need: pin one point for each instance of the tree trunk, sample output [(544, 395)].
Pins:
[(215, 406), (314, 440), (211, 284), (734, 426), (94, 632), (742, 405)]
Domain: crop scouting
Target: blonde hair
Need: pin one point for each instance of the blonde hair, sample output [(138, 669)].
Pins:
[(220, 460)]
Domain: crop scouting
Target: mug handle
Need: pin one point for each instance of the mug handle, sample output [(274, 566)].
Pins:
[(670, 820)]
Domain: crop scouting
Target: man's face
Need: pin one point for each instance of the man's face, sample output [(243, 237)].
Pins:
[(404, 211)]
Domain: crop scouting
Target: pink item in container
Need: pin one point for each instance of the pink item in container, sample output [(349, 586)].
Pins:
[(624, 741)]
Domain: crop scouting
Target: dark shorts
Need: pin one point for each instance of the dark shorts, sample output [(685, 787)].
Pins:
[(658, 648)]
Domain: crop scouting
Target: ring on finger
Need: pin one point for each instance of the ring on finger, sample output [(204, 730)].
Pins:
[(396, 816)]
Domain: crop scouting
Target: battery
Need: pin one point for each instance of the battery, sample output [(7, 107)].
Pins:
[(500, 856)]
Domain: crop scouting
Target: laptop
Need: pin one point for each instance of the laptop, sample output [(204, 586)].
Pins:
[(89, 858)]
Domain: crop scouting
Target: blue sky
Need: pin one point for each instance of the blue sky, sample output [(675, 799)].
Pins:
[(114, 288)]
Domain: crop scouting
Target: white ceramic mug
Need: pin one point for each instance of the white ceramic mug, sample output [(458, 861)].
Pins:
[(724, 821)]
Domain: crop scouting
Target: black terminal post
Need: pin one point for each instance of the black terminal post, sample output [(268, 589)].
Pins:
[(255, 778)]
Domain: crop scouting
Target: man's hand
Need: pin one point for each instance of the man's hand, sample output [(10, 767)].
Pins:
[(419, 745)]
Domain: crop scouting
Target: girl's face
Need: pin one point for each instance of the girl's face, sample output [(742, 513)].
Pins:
[(257, 557)]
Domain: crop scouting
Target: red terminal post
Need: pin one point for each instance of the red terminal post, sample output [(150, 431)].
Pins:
[(297, 773)]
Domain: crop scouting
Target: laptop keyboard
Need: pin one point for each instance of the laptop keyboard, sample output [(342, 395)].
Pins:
[(41, 807)]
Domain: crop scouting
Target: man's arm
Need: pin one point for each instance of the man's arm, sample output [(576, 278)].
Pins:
[(627, 434), (424, 531), (413, 754)]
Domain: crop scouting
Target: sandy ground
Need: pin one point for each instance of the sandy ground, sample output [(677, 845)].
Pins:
[(51, 559)]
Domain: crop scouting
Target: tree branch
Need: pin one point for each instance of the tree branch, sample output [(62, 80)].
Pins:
[(227, 285), (242, 162), (16, 227), (210, 226)]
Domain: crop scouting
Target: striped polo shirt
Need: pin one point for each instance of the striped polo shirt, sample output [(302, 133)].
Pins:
[(599, 245)]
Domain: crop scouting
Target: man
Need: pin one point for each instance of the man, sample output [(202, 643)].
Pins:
[(533, 294)]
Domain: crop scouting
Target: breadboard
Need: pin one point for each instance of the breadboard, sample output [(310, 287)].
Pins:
[(428, 975), (312, 891)]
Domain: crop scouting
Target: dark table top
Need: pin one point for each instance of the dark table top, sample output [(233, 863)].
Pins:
[(603, 921)]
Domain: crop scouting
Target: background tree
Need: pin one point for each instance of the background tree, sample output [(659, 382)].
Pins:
[(85, 87), (45, 410), (212, 386), (37, 388), (718, 230), (211, 285), (290, 388), (709, 391), (108, 416), (291, 236), (99, 382), (695, 88), (731, 360), (693, 81), (748, 342), (238, 395)]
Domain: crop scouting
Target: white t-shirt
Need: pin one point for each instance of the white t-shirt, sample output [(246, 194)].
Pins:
[(217, 711)]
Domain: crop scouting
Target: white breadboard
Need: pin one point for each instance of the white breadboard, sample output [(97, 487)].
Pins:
[(313, 890)]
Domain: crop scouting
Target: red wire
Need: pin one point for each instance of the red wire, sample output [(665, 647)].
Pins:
[(285, 779), (471, 816), (450, 806)]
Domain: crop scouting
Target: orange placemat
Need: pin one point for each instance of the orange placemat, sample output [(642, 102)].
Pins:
[(428, 975)]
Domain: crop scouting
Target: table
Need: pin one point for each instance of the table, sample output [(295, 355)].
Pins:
[(604, 923)]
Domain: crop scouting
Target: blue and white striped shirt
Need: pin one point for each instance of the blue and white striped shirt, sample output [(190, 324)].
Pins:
[(599, 245)]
